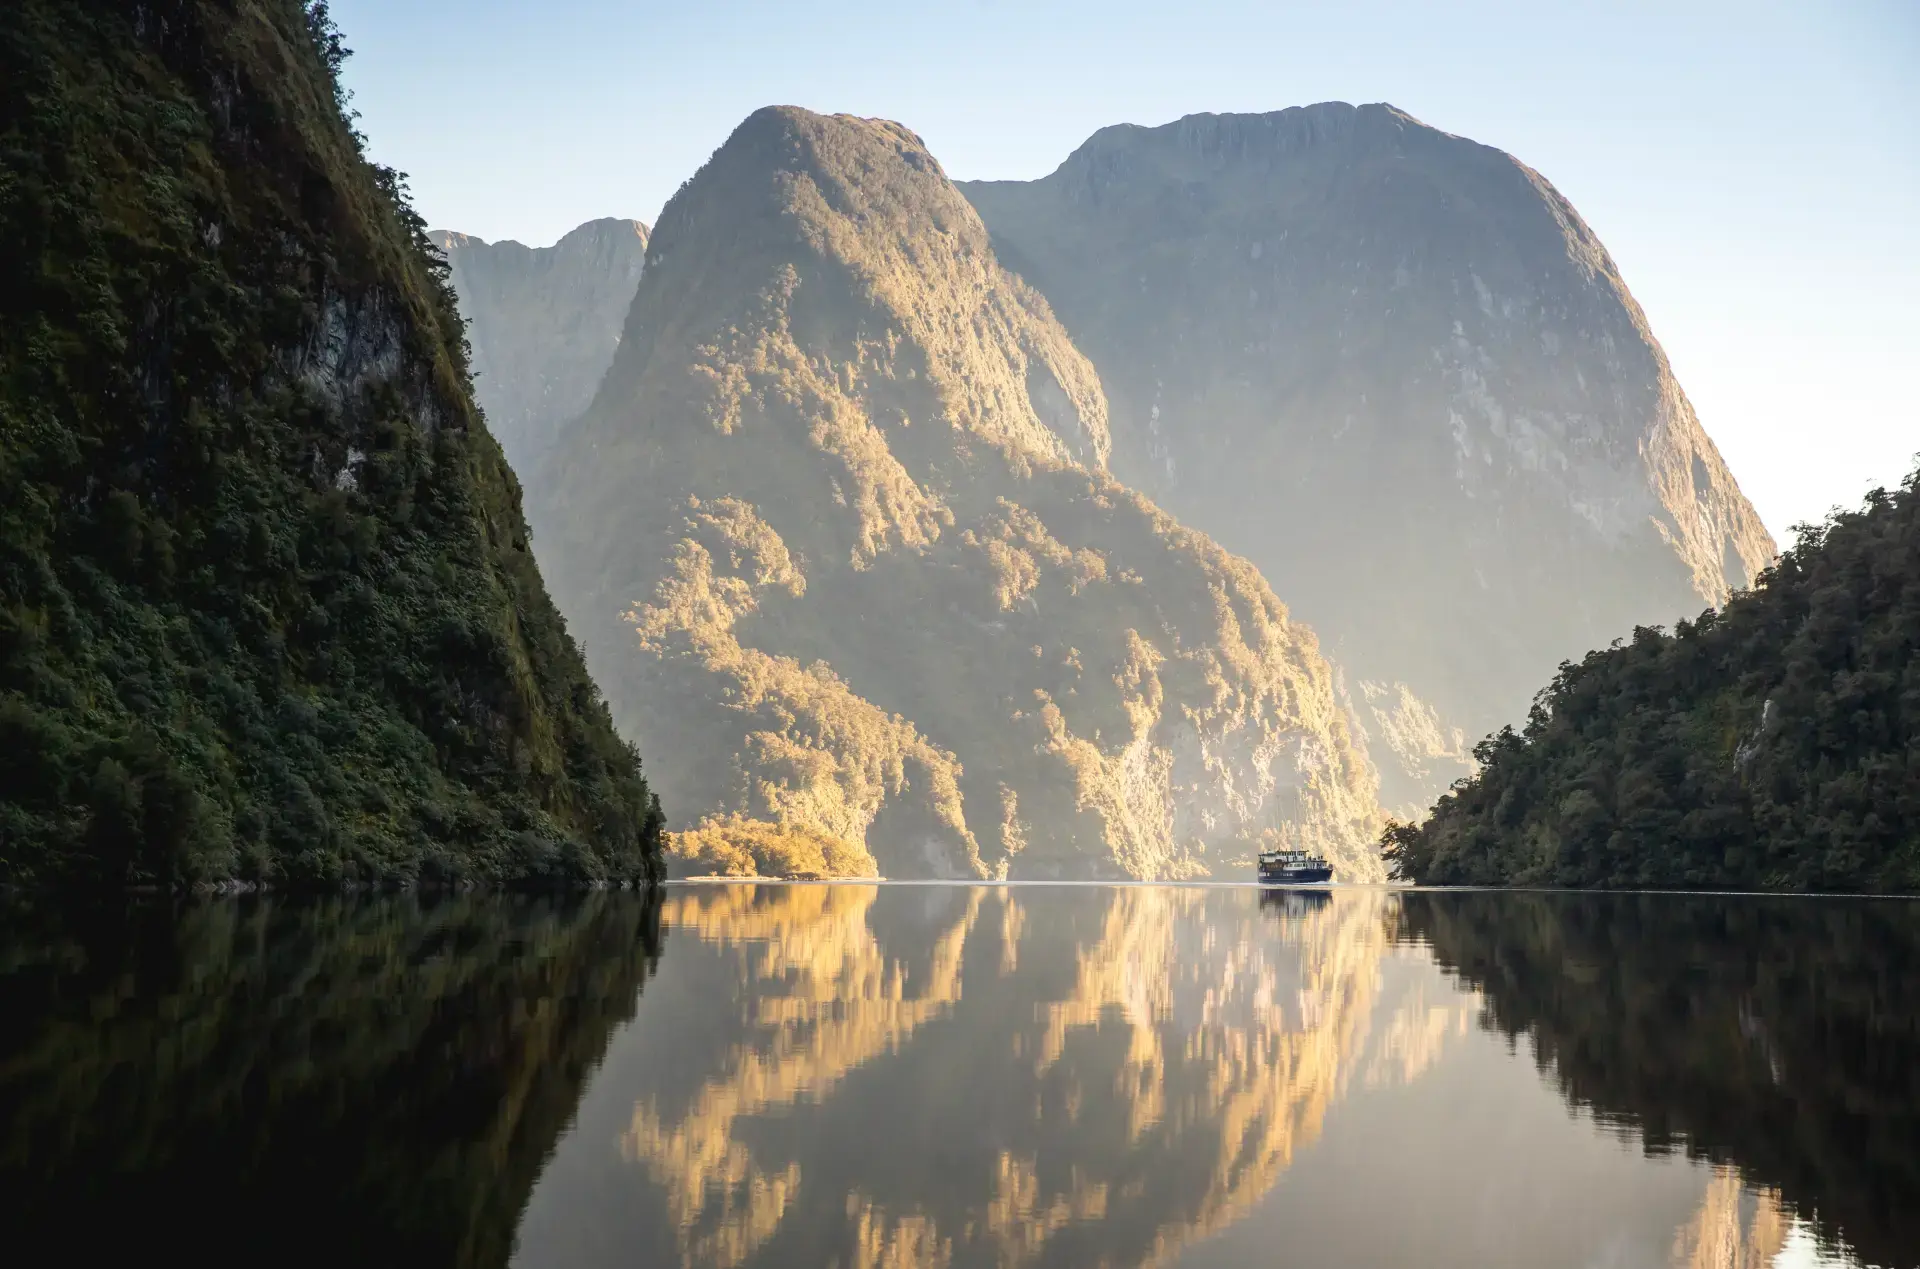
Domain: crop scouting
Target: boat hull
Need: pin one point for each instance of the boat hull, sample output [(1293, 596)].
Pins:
[(1295, 876)]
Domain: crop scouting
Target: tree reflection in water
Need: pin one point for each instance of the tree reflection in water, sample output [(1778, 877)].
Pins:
[(375, 1079), (958, 1075), (1779, 1036)]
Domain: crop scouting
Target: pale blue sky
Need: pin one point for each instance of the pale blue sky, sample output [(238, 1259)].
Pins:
[(1754, 168)]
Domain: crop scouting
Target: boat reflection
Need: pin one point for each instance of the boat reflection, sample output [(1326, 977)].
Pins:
[(1294, 902)]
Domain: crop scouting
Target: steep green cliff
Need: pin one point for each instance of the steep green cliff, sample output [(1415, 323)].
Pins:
[(267, 608), (1774, 744)]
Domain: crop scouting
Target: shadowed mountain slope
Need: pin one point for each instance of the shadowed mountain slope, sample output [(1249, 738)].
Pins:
[(840, 540), (544, 322), (1358, 349)]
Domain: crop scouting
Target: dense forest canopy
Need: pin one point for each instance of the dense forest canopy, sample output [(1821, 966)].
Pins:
[(1773, 744), (267, 608)]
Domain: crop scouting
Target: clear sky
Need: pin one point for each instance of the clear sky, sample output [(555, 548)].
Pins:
[(1753, 167)]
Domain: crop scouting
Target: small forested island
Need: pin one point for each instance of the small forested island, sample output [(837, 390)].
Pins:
[(267, 607), (1771, 745)]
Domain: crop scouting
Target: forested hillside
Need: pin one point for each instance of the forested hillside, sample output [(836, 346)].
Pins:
[(1774, 744), (267, 608)]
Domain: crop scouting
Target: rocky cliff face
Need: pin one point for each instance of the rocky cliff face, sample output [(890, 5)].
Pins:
[(543, 322), (1396, 370), (840, 540), (267, 609)]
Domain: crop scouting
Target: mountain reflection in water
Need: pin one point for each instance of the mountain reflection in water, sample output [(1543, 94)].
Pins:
[(873, 1076), (865, 1076), (862, 1106)]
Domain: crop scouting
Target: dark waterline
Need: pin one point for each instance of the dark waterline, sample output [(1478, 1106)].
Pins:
[(899, 1074)]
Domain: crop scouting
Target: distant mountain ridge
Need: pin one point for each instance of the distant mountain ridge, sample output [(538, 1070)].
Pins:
[(839, 539), (543, 322), (1396, 370)]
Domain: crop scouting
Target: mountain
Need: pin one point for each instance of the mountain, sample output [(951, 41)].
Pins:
[(267, 609), (1774, 744), (1395, 370), (840, 541), (543, 322)]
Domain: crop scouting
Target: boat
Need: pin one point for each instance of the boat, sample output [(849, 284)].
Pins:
[(1293, 868)]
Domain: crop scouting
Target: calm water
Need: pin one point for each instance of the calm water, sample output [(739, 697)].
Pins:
[(942, 1075)]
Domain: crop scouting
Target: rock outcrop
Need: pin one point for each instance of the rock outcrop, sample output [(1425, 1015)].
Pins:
[(839, 538), (543, 322), (1397, 371)]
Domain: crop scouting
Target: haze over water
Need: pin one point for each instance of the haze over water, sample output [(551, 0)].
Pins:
[(865, 1075)]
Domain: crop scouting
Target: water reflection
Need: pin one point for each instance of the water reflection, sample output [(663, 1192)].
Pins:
[(1125, 1069), (862, 1076), (1735, 1228), (285, 1083), (1779, 1036), (957, 1076)]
